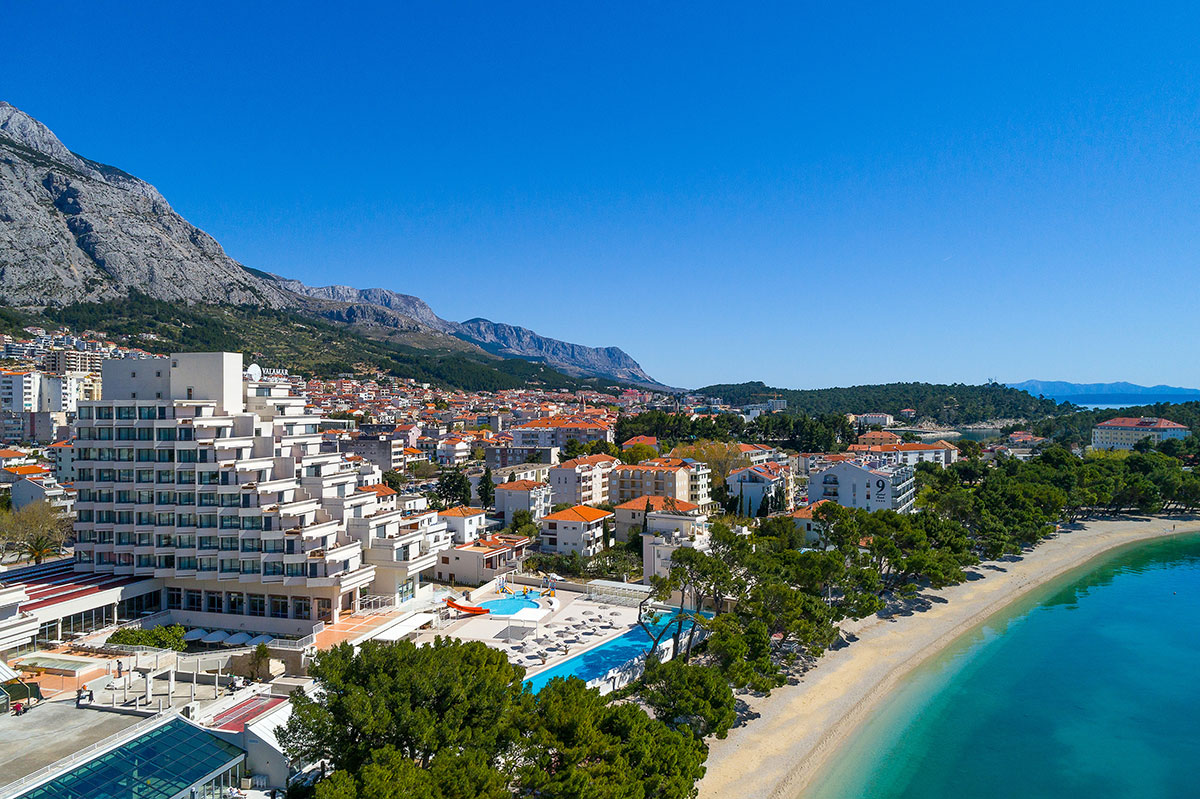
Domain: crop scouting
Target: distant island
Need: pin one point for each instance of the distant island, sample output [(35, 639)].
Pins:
[(1106, 393)]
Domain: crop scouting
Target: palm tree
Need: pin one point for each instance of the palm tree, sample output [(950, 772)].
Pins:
[(39, 547)]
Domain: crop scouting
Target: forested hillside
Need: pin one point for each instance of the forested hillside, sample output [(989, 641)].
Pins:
[(285, 338), (958, 403)]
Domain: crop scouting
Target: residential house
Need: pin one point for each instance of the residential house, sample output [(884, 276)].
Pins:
[(578, 529), (482, 560), (527, 495), (771, 482), (465, 524), (631, 516)]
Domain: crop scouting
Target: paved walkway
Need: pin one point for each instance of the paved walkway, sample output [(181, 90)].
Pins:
[(351, 628)]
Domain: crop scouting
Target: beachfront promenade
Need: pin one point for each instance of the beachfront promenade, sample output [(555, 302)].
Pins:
[(800, 726)]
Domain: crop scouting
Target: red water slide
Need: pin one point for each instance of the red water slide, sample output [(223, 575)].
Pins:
[(473, 610)]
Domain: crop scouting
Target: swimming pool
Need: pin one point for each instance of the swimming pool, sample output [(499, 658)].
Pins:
[(599, 661), (59, 664), (508, 605)]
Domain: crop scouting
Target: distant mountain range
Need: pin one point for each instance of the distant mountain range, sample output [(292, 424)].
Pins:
[(74, 230), (1106, 393)]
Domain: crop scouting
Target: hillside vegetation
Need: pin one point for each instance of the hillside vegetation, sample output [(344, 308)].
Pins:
[(958, 403), (302, 344)]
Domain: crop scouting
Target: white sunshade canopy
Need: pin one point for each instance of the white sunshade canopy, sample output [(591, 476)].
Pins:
[(195, 635), (259, 639), (237, 639), (215, 637), (528, 614), (403, 628)]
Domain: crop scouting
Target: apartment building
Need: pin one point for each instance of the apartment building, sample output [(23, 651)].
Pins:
[(556, 431), (870, 419), (582, 481), (771, 482), (756, 454), (631, 516), (217, 486), (878, 437), (61, 361), (941, 453), (526, 495), (453, 451), (390, 455), (578, 529), (682, 479), (1125, 431), (671, 533), (21, 391), (499, 456), (649, 441), (43, 488), (867, 484)]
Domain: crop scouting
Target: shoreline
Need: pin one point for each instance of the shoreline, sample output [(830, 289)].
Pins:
[(802, 726)]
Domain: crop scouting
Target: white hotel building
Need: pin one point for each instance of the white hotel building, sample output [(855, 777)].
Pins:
[(217, 486)]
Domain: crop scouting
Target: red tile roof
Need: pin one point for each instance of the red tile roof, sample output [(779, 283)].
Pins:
[(579, 513)]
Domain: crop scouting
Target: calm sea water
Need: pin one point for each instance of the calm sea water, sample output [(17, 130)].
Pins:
[(1086, 690)]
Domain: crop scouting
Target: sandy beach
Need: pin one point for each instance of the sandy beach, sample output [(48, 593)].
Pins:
[(801, 726)]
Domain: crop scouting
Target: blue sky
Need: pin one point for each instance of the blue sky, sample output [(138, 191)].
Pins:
[(806, 194)]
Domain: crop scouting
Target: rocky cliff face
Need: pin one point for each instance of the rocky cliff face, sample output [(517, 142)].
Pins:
[(520, 342), (404, 304), (73, 230)]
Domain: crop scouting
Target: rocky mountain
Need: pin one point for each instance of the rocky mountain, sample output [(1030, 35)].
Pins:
[(1062, 389), (74, 230), (497, 338), (520, 342)]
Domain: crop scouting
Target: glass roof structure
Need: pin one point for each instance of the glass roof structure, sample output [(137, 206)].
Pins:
[(155, 765)]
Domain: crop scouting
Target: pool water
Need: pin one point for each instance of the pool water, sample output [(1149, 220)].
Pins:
[(599, 661), (509, 605)]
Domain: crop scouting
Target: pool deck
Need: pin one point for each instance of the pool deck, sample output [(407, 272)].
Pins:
[(574, 610)]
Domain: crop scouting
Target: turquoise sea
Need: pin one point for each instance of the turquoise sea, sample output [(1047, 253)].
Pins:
[(1088, 689)]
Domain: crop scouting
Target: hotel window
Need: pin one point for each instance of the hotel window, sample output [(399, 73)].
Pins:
[(279, 607), (174, 599), (256, 605)]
